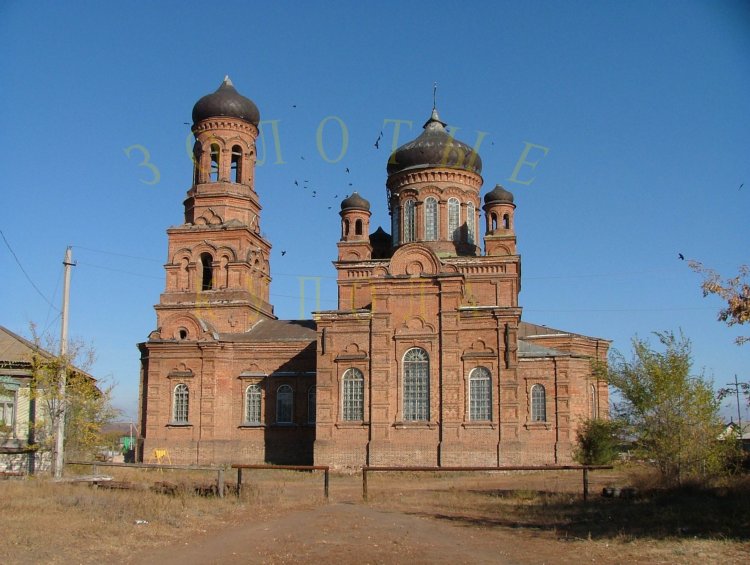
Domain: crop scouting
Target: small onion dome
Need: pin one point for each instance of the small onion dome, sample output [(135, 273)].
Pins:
[(380, 238), (226, 101), (355, 202), (435, 147), (498, 195)]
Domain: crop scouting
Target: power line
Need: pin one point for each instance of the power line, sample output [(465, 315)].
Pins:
[(28, 278), (117, 254)]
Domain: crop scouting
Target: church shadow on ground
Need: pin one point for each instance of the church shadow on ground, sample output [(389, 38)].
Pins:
[(678, 513)]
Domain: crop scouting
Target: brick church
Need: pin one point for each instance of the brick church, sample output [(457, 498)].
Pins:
[(425, 361)]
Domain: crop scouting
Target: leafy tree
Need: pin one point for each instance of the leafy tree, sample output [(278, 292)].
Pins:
[(735, 291), (87, 405), (673, 416), (598, 441)]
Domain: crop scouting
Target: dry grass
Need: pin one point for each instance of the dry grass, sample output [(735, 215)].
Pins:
[(45, 522)]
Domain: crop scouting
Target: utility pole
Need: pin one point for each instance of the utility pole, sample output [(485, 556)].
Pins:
[(736, 384), (63, 369)]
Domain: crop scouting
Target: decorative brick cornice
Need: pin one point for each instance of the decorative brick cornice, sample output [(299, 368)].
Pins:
[(225, 123), (457, 176)]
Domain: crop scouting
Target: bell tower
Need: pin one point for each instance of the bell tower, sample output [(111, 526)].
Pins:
[(218, 272)]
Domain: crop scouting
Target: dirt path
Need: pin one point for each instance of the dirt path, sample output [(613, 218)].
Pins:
[(339, 533)]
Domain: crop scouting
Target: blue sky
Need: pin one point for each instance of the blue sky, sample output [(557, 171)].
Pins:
[(641, 108)]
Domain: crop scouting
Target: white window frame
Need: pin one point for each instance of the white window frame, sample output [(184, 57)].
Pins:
[(431, 219), (416, 385), (480, 395), (181, 404), (538, 409), (454, 219), (253, 404), (353, 395)]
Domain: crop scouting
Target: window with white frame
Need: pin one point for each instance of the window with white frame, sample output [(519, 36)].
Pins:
[(454, 219), (431, 219), (538, 404), (7, 410), (353, 396), (408, 221), (416, 385), (252, 404), (471, 228), (480, 394), (395, 227), (180, 404), (311, 405), (284, 404)]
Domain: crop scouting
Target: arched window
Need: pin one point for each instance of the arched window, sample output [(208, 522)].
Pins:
[(358, 227), (311, 405), (431, 219), (416, 385), (408, 221), (252, 404), (493, 221), (395, 226), (538, 404), (471, 227), (353, 397), (182, 333), (594, 400), (197, 150), (346, 228), (284, 404), (215, 157), (236, 164), (207, 271), (180, 404), (506, 221), (454, 219), (480, 394)]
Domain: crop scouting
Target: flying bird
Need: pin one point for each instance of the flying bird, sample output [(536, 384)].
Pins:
[(294, 105), (347, 169), (681, 256), (283, 253), (296, 183), (301, 157), (740, 188), (377, 143)]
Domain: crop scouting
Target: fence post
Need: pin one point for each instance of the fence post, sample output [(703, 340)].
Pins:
[(325, 483), (220, 483), (239, 481), (585, 484), (364, 484)]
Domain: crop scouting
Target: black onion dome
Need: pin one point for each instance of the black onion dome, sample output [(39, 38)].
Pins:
[(355, 202), (435, 147), (226, 101), (497, 195)]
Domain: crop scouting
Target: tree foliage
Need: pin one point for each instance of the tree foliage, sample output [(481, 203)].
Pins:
[(87, 404), (735, 291), (597, 441), (672, 416)]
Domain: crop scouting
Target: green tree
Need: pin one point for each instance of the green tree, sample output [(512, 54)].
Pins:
[(87, 403), (597, 441), (735, 291), (673, 416)]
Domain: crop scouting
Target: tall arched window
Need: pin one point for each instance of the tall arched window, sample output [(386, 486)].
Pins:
[(454, 219), (345, 229), (252, 404), (215, 160), (358, 227), (353, 397), (408, 221), (311, 399), (506, 221), (236, 164), (395, 225), (480, 394), (594, 400), (493, 222), (538, 404), (416, 385), (180, 404), (471, 228), (284, 404), (431, 220), (207, 271)]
